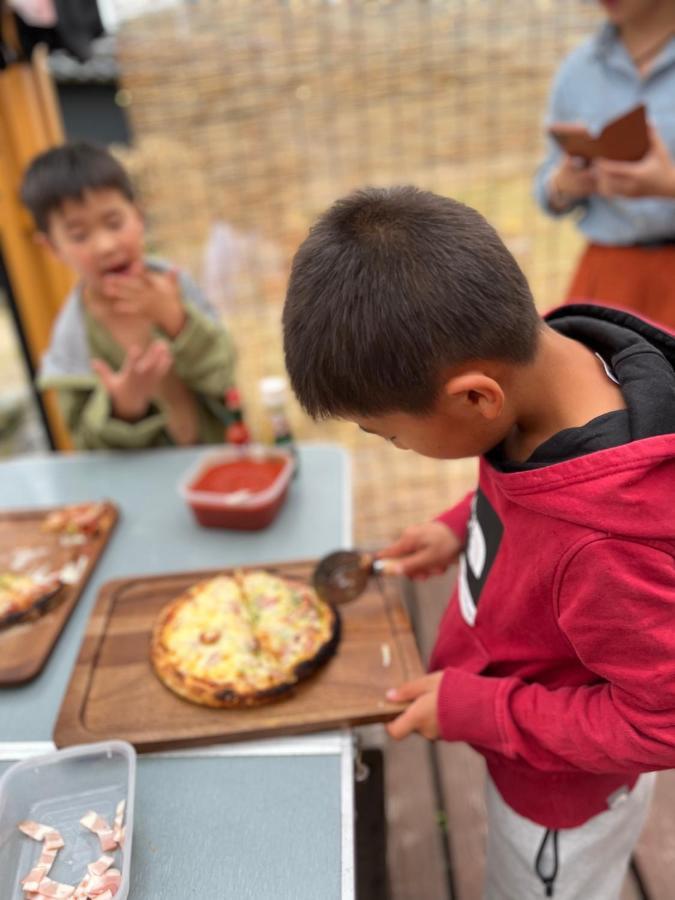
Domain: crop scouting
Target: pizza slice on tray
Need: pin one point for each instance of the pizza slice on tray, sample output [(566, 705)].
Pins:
[(85, 520), (24, 597)]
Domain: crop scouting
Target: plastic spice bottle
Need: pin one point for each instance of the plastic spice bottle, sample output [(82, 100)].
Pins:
[(274, 395), (236, 431)]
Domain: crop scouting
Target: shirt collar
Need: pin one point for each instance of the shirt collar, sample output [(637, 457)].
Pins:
[(607, 46)]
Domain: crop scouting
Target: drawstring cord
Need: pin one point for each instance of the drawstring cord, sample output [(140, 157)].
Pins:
[(548, 879)]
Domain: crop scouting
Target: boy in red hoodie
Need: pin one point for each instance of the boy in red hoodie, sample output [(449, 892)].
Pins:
[(556, 656)]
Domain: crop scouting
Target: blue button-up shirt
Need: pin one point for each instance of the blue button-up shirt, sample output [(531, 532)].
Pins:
[(596, 83)]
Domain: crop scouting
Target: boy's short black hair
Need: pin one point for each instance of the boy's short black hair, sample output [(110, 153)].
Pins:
[(66, 172), (392, 287)]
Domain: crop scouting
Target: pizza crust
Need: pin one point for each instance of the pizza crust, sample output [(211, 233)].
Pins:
[(24, 599), (245, 673)]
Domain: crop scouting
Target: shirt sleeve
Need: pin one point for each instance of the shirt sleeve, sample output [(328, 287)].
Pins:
[(457, 518), (616, 607), (558, 111), (204, 355), (89, 417)]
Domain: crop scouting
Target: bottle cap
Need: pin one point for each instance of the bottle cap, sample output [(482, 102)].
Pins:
[(273, 390), (233, 398)]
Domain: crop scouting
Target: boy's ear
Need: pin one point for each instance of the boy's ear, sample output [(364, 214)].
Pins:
[(477, 392)]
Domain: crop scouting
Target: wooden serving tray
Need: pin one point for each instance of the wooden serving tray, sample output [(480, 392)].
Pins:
[(25, 647), (114, 692)]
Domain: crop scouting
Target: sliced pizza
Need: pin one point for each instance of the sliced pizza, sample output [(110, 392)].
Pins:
[(85, 520), (25, 597), (241, 641)]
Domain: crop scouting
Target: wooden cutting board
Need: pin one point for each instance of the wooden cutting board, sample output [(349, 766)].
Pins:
[(24, 546), (113, 691)]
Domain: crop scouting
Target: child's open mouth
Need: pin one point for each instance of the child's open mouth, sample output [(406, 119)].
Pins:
[(121, 269)]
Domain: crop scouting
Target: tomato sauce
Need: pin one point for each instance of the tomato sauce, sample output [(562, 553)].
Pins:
[(242, 474)]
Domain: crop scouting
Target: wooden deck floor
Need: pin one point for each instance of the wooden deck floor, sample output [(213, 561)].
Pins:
[(435, 814)]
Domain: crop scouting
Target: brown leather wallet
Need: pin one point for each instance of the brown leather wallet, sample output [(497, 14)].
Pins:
[(625, 139)]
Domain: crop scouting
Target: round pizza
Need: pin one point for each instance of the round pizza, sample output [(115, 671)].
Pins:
[(24, 597), (242, 640)]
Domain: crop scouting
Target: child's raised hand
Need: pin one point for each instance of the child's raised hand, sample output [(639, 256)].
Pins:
[(147, 295), (422, 714), (423, 550), (138, 381)]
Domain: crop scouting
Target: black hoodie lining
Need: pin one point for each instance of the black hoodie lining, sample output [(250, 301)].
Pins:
[(611, 429), (643, 359)]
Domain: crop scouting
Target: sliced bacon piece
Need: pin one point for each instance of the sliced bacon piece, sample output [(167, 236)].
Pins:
[(47, 857), (93, 821), (56, 890), (53, 840), (32, 881), (118, 828), (101, 829), (108, 840), (99, 884), (119, 813), (35, 830), (101, 865), (82, 890)]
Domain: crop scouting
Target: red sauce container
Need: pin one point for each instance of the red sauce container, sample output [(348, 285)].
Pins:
[(238, 488)]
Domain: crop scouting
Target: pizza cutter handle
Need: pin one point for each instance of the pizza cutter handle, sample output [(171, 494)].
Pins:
[(373, 566), (385, 567)]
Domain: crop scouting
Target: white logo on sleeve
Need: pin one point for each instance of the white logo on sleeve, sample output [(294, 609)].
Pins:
[(484, 535), (466, 604)]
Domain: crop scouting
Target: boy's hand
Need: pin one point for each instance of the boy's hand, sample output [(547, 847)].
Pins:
[(421, 715), (651, 176), (137, 382), (147, 295), (423, 550)]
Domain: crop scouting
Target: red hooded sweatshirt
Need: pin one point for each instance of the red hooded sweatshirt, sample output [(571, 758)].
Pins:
[(558, 645)]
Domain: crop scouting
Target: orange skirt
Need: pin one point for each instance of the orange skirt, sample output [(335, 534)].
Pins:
[(641, 279)]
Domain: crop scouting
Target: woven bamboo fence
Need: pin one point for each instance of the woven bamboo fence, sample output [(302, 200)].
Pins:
[(251, 116)]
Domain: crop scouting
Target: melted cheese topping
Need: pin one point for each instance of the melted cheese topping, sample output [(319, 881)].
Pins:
[(17, 592), (248, 632)]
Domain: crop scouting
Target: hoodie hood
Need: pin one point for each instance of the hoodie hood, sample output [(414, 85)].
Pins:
[(641, 355), (627, 490)]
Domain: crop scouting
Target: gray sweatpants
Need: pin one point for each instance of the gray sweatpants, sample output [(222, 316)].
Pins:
[(592, 859)]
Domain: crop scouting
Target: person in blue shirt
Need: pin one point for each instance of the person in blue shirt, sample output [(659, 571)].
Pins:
[(625, 210)]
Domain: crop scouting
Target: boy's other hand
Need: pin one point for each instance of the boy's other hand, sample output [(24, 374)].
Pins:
[(150, 295), (138, 381), (651, 176), (421, 715), (423, 550)]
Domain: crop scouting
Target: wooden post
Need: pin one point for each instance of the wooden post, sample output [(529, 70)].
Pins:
[(30, 122)]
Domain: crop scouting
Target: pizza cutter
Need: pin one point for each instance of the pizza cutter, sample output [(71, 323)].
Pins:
[(342, 576)]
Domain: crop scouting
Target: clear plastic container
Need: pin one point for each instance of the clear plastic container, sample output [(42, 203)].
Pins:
[(58, 789), (240, 509)]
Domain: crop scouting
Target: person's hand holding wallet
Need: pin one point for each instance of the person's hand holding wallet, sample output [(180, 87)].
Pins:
[(624, 141), (651, 176)]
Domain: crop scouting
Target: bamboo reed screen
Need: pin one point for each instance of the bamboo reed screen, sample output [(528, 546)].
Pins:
[(251, 116)]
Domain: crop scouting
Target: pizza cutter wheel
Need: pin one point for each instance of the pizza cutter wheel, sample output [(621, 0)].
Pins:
[(342, 576)]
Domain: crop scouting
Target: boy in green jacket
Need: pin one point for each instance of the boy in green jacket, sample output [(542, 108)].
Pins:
[(136, 355)]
